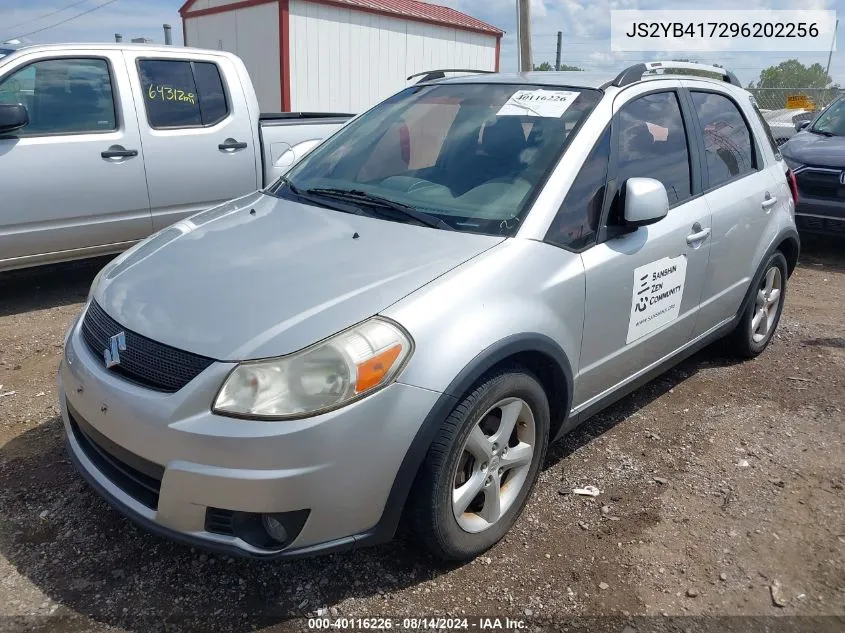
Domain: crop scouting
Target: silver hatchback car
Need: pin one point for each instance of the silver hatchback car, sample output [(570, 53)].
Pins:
[(400, 325)]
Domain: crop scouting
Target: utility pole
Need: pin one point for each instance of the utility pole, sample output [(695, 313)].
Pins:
[(557, 55), (832, 45), (525, 61)]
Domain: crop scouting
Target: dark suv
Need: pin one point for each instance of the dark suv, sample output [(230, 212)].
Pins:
[(817, 157)]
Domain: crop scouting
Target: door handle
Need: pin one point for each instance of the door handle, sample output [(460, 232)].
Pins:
[(769, 202), (116, 151), (699, 236), (231, 144)]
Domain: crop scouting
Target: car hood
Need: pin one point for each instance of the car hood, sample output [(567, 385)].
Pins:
[(815, 149), (262, 276)]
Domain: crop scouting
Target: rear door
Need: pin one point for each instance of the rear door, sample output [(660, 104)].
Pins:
[(643, 287), (199, 140), (741, 195), (73, 178)]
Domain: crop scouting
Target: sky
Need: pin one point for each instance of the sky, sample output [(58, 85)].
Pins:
[(585, 25)]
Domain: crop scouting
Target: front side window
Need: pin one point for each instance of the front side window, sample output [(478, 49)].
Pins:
[(727, 139), (471, 155), (831, 121), (62, 96), (653, 144), (182, 93), (576, 223)]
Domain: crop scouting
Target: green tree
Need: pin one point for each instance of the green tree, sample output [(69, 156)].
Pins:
[(793, 77), (793, 74), (563, 67)]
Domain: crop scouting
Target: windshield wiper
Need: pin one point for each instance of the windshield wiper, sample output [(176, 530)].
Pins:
[(822, 132), (356, 195), (319, 201)]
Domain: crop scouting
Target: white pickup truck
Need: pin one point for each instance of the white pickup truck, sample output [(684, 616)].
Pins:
[(103, 144)]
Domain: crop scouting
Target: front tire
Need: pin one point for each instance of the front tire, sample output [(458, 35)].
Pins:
[(479, 471), (760, 319)]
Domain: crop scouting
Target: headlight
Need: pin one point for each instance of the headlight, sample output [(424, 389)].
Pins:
[(793, 164), (325, 376)]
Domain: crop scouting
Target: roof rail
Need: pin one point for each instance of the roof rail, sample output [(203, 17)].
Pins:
[(636, 72), (430, 75)]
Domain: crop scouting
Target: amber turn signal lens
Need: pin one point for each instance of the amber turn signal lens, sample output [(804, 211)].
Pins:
[(371, 372)]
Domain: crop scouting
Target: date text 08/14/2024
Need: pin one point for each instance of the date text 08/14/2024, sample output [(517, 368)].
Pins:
[(481, 623)]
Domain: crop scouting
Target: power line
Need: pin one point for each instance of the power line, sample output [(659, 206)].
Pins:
[(73, 17), (46, 15)]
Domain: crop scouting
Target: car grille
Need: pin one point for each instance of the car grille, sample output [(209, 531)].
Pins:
[(820, 183), (137, 477), (144, 361)]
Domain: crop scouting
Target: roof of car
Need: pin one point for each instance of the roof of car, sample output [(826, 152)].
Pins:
[(581, 79), (568, 78)]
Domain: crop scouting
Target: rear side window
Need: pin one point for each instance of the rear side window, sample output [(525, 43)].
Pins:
[(653, 144), (63, 96), (212, 97), (182, 93), (727, 139), (575, 225), (766, 129)]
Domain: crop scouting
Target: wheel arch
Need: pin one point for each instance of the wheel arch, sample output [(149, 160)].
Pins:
[(535, 352), (787, 242), (790, 246)]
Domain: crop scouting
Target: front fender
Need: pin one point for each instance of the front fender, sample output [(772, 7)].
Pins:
[(519, 296)]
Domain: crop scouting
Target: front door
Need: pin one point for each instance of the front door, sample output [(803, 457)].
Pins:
[(73, 178), (643, 288), (199, 135)]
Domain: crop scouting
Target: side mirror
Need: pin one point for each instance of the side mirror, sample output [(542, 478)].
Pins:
[(646, 201), (800, 125), (12, 117)]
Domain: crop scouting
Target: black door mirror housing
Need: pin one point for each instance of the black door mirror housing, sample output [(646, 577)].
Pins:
[(12, 117), (800, 125)]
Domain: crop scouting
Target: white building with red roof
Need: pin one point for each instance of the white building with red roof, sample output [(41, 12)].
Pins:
[(338, 55)]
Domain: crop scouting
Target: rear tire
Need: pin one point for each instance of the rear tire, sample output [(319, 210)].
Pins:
[(760, 319), (479, 471)]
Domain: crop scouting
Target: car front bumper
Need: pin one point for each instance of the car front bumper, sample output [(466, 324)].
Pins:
[(164, 459), (822, 215)]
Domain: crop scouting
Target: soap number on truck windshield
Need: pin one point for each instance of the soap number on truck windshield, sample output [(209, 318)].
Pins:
[(167, 93)]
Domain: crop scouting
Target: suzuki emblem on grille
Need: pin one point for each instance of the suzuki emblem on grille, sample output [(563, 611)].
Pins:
[(842, 178), (117, 344)]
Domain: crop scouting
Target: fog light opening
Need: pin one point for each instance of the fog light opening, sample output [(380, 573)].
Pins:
[(274, 528)]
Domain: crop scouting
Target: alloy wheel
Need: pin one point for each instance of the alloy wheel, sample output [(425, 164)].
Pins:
[(767, 304), (494, 464)]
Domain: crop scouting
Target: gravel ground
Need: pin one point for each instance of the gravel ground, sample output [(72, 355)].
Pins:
[(722, 493)]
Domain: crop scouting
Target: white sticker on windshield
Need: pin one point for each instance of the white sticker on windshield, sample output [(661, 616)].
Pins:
[(656, 301), (545, 103)]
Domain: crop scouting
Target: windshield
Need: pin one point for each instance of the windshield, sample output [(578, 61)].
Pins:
[(832, 120), (471, 155)]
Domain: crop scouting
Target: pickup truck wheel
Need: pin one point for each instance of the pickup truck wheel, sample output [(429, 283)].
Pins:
[(761, 317), (480, 469)]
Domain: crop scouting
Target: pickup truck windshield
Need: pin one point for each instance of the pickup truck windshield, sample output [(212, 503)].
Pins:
[(470, 155), (832, 121)]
